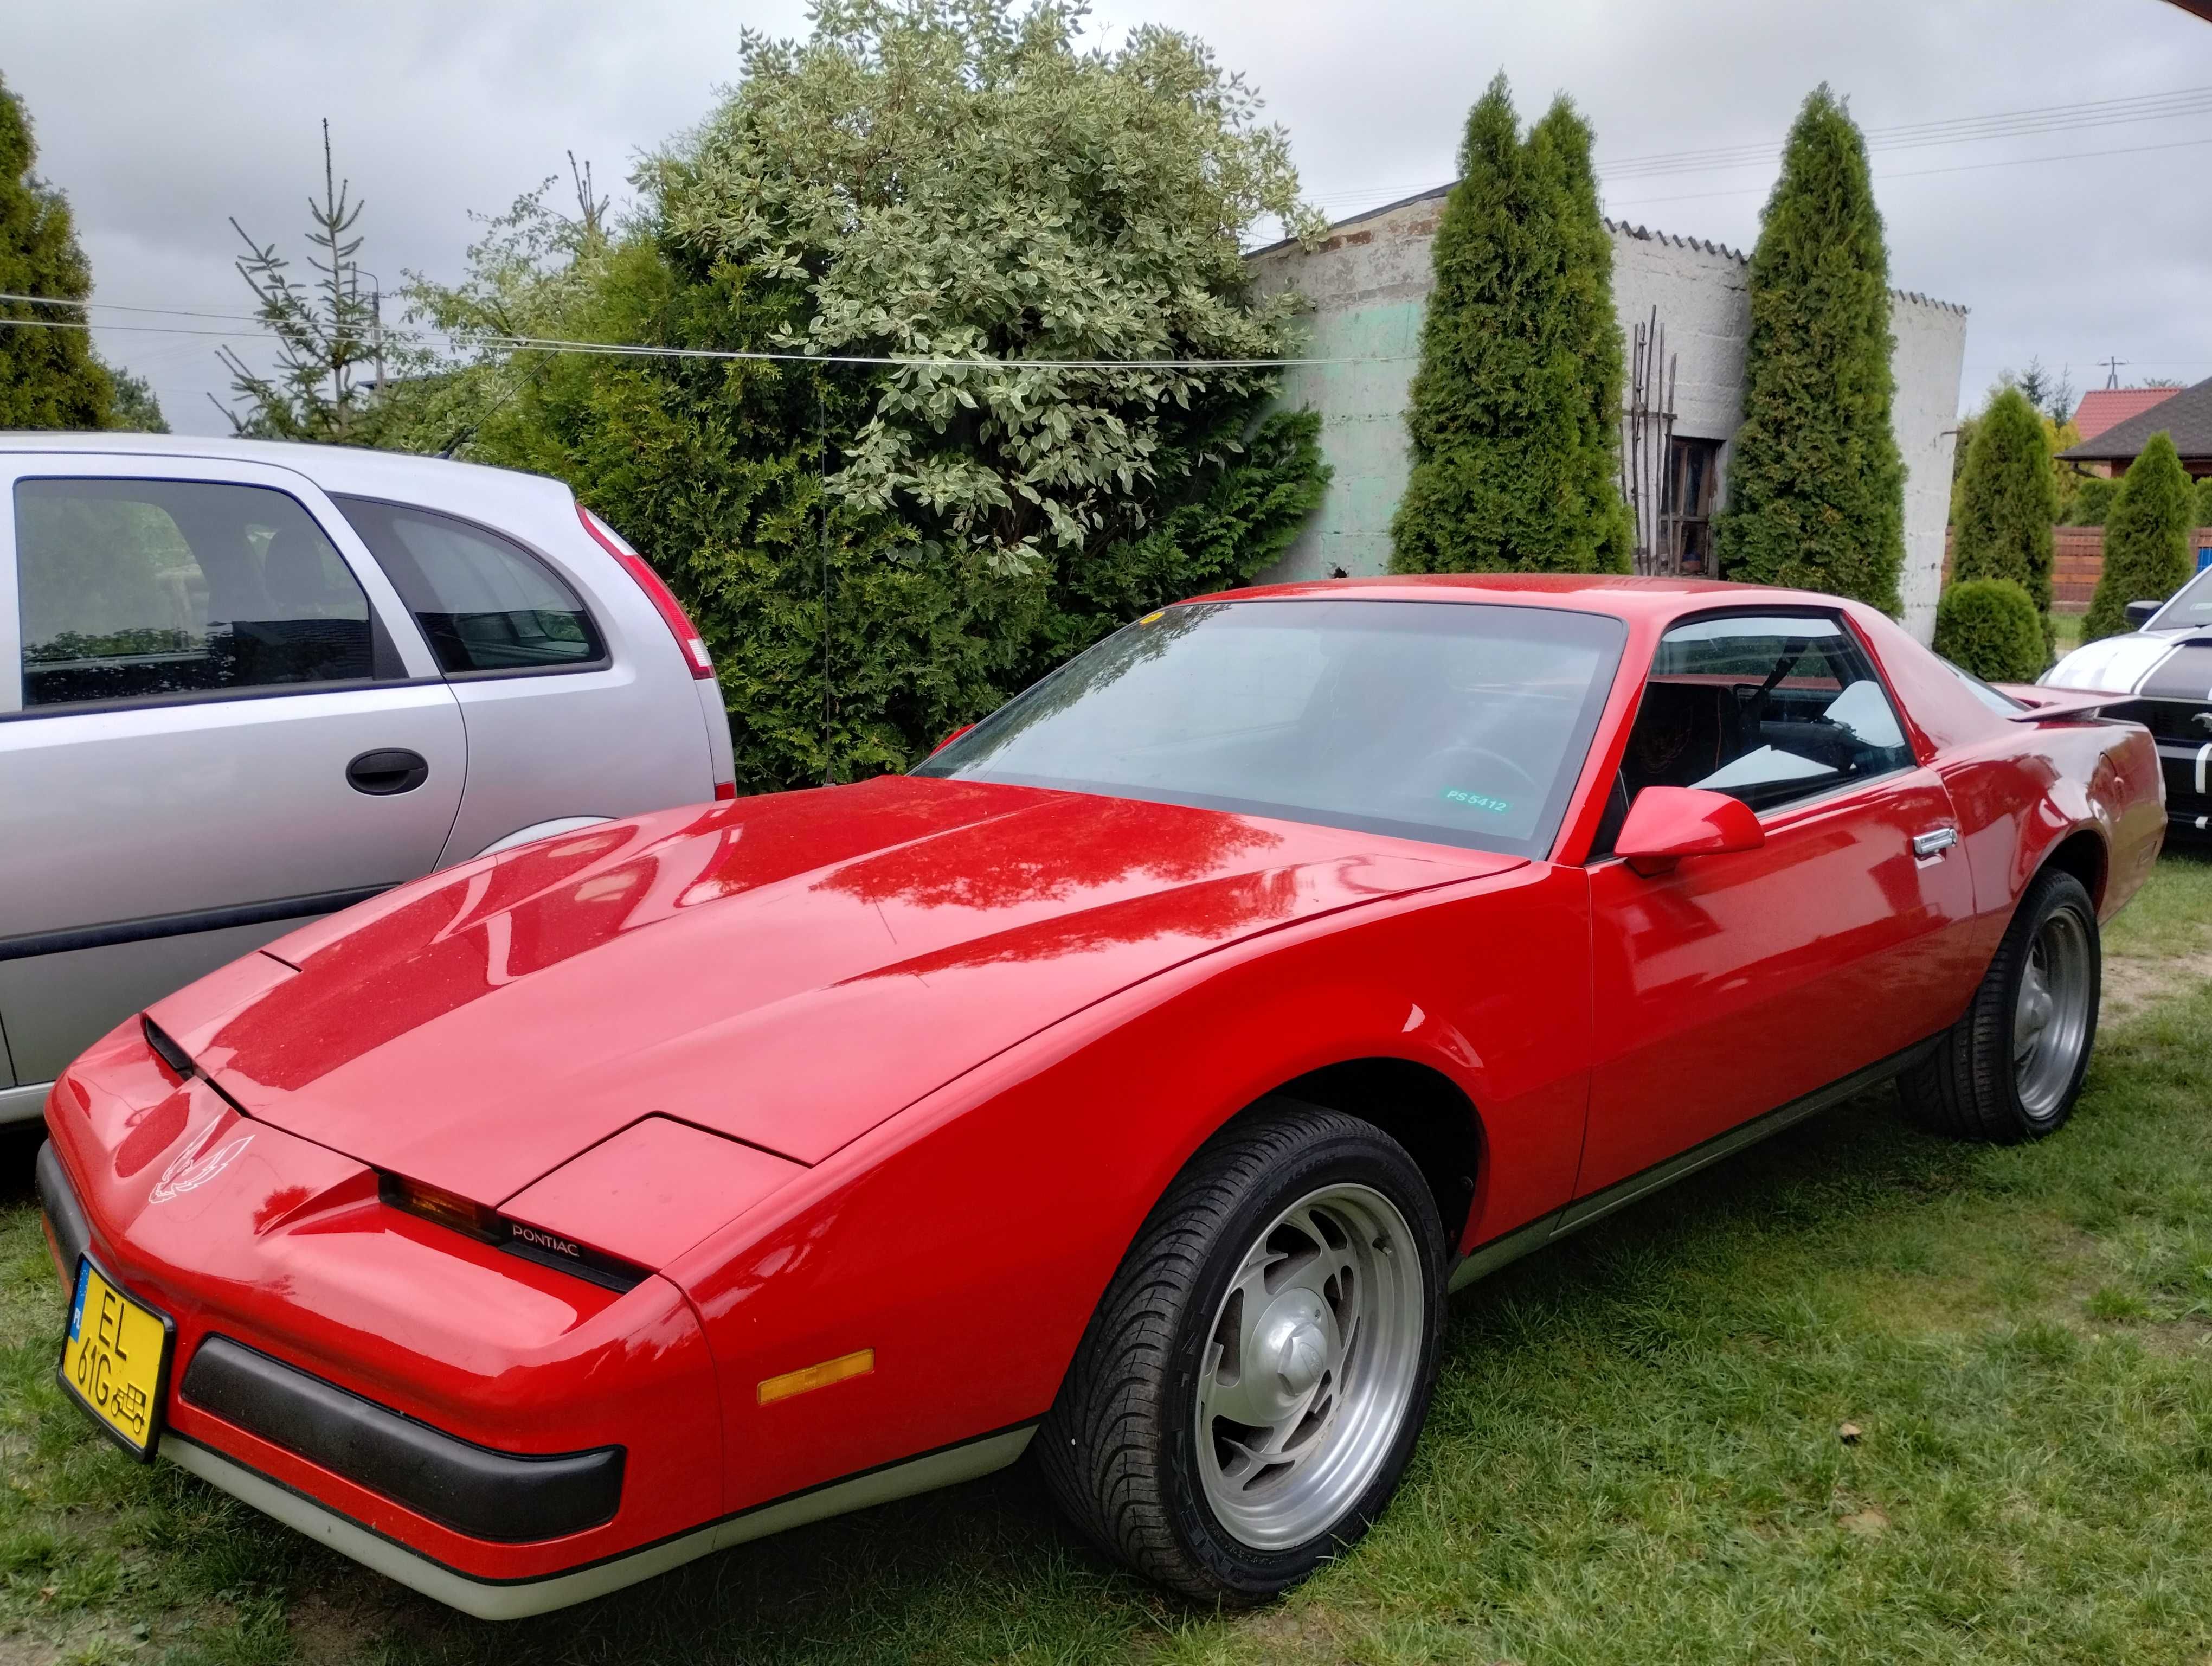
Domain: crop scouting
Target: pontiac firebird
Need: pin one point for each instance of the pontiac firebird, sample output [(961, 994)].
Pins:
[(1129, 1083)]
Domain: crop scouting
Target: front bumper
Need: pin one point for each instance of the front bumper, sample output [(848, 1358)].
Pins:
[(493, 1427), (2187, 767)]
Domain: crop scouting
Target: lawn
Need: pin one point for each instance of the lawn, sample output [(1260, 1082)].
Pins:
[(1638, 1453)]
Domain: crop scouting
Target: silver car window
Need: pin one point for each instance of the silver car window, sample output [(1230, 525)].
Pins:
[(483, 602), (142, 589)]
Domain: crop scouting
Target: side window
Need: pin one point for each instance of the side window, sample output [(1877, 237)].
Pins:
[(1765, 708), (484, 603), (131, 589)]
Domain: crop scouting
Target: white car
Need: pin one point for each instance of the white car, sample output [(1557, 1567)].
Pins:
[(254, 683), (2165, 664)]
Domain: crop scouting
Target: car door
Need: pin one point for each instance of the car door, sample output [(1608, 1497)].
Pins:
[(576, 710), (214, 721), (1738, 983)]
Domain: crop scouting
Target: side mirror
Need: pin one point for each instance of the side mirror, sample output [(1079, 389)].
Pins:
[(1667, 824), (2139, 613)]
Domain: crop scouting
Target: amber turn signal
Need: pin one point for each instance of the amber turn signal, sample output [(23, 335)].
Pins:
[(447, 1209), (817, 1377)]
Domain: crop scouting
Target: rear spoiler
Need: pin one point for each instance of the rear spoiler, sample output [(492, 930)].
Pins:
[(2046, 704)]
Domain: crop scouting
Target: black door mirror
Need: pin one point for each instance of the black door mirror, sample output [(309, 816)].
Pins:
[(2139, 613)]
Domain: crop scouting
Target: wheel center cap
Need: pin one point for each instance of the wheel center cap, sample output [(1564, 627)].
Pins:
[(1294, 1340)]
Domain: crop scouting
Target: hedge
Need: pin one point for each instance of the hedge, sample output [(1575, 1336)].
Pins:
[(1992, 628)]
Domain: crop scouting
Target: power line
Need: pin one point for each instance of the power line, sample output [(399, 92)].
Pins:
[(1960, 129), (626, 350)]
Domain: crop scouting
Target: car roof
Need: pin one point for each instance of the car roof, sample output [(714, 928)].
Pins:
[(434, 481), (1619, 594), (315, 462)]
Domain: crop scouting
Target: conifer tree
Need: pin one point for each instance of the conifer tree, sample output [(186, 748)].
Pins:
[(50, 377), (1515, 415), (1816, 488), (2007, 503), (2147, 554)]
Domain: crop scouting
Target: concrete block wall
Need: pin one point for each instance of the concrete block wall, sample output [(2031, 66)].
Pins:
[(1366, 290)]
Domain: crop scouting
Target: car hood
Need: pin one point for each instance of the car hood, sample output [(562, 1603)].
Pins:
[(2157, 664), (786, 970)]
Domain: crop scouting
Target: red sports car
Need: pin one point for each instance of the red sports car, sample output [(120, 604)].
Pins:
[(1128, 1083)]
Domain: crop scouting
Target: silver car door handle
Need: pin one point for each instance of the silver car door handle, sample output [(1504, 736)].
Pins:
[(1934, 843)]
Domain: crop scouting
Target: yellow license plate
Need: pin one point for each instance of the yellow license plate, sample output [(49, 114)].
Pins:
[(115, 1358)]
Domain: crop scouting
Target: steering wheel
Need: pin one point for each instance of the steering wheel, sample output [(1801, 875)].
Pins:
[(1503, 762)]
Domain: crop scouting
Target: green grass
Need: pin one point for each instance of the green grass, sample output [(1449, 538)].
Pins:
[(1634, 1454)]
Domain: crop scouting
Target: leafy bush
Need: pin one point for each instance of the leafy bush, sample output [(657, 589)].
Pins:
[(2203, 506), (2147, 553), (876, 555), (2092, 501), (1816, 493), (1993, 628), (1515, 414), (2007, 502)]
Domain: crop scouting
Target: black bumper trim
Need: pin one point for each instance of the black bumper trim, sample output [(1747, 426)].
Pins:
[(64, 1214), (507, 1497)]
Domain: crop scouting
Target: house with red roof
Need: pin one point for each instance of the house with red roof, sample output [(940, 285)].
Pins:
[(2184, 413), (2108, 407)]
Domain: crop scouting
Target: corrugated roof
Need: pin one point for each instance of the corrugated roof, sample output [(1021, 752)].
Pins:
[(2187, 415), (1618, 228), (2108, 407)]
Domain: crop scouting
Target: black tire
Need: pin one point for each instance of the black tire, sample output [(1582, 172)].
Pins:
[(1120, 1449), (1969, 1087)]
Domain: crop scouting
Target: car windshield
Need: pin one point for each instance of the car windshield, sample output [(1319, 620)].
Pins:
[(2190, 607), (1461, 723)]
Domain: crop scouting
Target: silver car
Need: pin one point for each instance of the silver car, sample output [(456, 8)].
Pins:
[(255, 683)]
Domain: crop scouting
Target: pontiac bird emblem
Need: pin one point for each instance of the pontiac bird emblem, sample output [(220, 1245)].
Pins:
[(189, 1170), (2203, 720)]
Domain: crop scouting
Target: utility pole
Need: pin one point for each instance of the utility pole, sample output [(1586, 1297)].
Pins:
[(2112, 379)]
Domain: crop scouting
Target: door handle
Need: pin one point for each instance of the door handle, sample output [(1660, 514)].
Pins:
[(1934, 843), (387, 770)]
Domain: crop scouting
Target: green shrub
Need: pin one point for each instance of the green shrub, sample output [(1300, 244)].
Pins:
[(2147, 553), (876, 556), (1993, 628), (1816, 493), (1514, 416), (2204, 501), (2092, 501), (2007, 502)]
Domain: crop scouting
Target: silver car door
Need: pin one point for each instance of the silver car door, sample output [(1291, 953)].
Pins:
[(578, 702), (215, 722)]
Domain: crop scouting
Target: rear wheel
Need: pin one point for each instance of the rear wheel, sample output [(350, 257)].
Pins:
[(2012, 1067), (1250, 1388)]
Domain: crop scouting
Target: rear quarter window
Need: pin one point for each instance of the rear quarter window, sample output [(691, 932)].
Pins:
[(485, 604)]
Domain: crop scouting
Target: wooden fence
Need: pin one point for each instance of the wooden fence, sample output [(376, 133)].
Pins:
[(2078, 562)]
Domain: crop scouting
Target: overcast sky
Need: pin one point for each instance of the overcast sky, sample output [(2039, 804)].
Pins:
[(160, 121)]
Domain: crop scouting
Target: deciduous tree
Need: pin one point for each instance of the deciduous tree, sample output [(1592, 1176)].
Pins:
[(879, 553)]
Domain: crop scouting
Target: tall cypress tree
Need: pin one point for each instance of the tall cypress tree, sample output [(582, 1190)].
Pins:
[(48, 377), (2007, 503), (1816, 488), (2147, 555), (1515, 417)]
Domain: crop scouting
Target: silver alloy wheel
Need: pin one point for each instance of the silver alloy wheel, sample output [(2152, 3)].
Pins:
[(1312, 1360), (2050, 1014)]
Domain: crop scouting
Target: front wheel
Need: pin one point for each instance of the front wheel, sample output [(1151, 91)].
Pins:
[(2012, 1067), (1250, 1389)]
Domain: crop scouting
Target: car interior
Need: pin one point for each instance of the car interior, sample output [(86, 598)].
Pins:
[(138, 589), (1778, 710)]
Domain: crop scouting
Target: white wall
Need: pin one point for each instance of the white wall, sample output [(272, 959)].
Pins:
[(1367, 286)]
